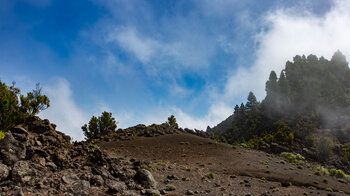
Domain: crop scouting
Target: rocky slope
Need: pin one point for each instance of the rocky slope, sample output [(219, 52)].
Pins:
[(35, 159)]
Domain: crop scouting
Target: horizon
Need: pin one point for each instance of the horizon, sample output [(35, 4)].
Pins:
[(146, 60)]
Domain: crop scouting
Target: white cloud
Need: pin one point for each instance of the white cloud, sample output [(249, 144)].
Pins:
[(287, 35), (63, 111), (217, 113), (187, 48), (143, 48)]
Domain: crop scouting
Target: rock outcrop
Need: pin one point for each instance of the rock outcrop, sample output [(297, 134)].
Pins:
[(37, 159), (150, 131)]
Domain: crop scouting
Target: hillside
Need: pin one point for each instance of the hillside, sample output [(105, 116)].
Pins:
[(306, 109), (150, 160)]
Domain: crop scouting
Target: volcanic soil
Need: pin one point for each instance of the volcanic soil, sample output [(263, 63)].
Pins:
[(200, 166)]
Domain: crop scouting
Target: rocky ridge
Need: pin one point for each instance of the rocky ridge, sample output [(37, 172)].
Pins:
[(37, 159)]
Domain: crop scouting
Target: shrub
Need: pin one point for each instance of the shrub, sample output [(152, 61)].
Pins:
[(170, 187), (268, 138), (346, 151), (34, 102), (12, 112), (172, 122), (102, 125), (244, 145), (254, 143), (324, 148), (292, 158), (211, 176), (2, 135), (338, 173), (319, 170)]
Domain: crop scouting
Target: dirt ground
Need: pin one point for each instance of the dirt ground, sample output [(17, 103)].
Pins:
[(205, 167)]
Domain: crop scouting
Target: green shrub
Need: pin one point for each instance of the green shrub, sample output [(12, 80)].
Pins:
[(319, 170), (268, 138), (34, 102), (209, 176), (2, 135), (170, 187), (338, 173), (324, 148), (244, 145), (255, 142), (104, 124), (172, 121), (292, 158), (346, 151), (12, 112)]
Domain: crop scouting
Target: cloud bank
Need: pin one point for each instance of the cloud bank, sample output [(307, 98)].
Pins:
[(64, 112), (285, 33)]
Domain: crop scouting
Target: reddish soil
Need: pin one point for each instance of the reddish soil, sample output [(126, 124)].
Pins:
[(236, 170)]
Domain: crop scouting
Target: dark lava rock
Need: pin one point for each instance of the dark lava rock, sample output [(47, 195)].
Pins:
[(11, 150), (145, 178)]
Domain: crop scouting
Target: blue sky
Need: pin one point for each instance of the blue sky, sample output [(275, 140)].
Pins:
[(145, 60)]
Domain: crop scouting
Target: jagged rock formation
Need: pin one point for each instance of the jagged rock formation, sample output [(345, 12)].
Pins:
[(37, 159), (150, 131)]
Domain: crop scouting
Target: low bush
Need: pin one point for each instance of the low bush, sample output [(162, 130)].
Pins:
[(2, 135), (338, 173), (320, 170), (209, 176), (324, 148), (170, 187), (292, 158)]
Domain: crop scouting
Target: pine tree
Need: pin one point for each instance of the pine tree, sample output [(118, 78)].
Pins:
[(98, 126), (252, 103), (284, 91), (172, 122)]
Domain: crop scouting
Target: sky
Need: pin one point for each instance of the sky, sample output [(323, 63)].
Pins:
[(144, 60)]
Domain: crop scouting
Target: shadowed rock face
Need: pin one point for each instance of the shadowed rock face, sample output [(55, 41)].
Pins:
[(37, 159)]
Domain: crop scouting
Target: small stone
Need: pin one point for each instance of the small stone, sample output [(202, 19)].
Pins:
[(97, 180), (285, 184), (189, 192), (70, 179), (152, 192), (172, 177), (4, 172)]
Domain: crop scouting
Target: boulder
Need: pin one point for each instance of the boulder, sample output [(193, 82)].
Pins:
[(115, 186), (11, 150), (276, 148), (145, 178), (75, 185), (19, 133), (81, 187), (70, 178), (21, 172), (36, 125), (4, 172)]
